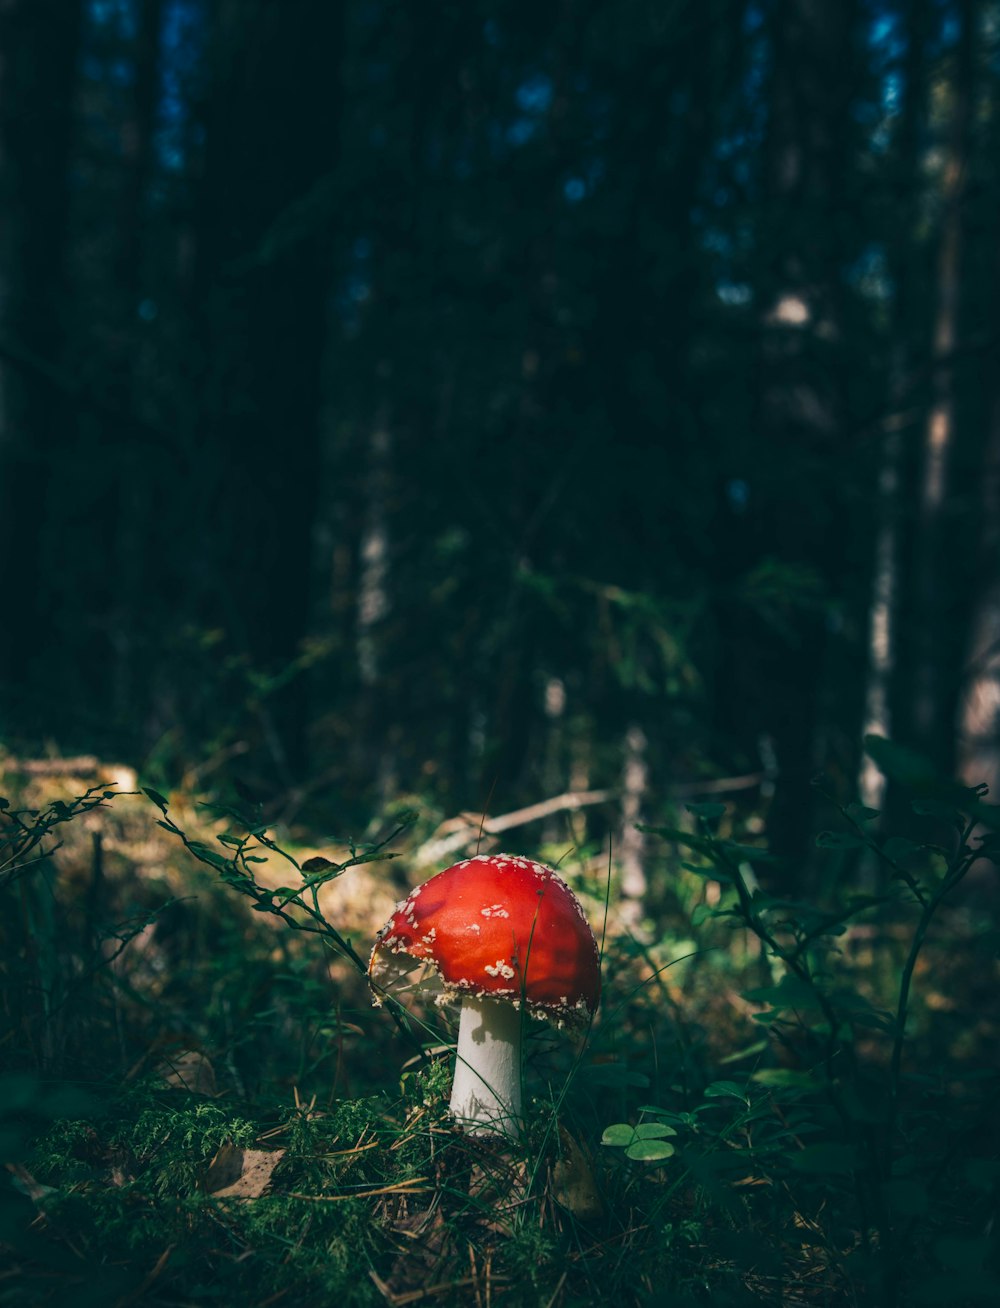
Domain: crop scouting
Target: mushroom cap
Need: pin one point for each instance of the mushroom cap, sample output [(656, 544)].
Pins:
[(499, 927)]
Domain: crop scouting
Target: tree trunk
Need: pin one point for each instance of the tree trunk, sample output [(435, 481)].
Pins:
[(635, 782), (904, 266), (263, 293), (39, 43), (800, 403), (371, 722), (979, 709), (131, 505), (979, 722), (939, 587), (554, 767)]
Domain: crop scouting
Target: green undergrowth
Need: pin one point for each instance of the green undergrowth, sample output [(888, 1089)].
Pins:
[(162, 1196), (171, 1196), (783, 1100)]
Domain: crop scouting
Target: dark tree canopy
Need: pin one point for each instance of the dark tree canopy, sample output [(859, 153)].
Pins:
[(420, 399)]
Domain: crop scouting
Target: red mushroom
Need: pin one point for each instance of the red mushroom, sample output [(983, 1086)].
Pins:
[(504, 935)]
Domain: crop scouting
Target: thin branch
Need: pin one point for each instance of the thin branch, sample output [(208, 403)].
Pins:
[(458, 832)]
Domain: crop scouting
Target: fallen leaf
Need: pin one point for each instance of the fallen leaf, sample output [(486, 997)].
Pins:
[(573, 1184), (237, 1173), (189, 1070), (22, 1180)]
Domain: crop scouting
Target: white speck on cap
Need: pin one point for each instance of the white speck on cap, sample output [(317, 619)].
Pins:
[(494, 910), (500, 968)]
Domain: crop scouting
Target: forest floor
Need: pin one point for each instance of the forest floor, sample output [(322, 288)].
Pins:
[(199, 1104)]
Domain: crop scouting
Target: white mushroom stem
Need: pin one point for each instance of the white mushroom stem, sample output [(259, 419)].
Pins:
[(486, 1093)]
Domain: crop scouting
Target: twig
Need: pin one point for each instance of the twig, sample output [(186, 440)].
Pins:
[(472, 828), (433, 850)]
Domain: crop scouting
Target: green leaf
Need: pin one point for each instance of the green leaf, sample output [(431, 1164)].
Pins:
[(618, 1136), (644, 1142), (653, 1131), (901, 850), (707, 811), (678, 837), (937, 808), (156, 797), (682, 1119), (725, 1090), (989, 846), (861, 812), (702, 912), (790, 992), (708, 870), (787, 1078), (757, 1047), (208, 855), (766, 1019), (649, 1151), (899, 763), (317, 864)]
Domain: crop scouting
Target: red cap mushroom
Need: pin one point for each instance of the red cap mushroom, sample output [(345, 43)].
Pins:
[(498, 933)]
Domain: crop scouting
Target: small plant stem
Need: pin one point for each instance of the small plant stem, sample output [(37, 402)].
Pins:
[(237, 873), (963, 860), (797, 965), (790, 958)]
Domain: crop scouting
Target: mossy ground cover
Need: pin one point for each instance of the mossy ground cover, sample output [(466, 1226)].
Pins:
[(200, 1105)]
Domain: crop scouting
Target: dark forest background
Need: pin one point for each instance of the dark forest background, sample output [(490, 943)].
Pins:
[(569, 422), (490, 401)]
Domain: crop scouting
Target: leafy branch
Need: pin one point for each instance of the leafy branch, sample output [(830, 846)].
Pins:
[(23, 831), (801, 937), (247, 844)]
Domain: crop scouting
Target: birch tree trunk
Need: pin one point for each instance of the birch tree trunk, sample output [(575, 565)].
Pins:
[(936, 616), (979, 721), (979, 709), (372, 743), (886, 561), (635, 782)]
